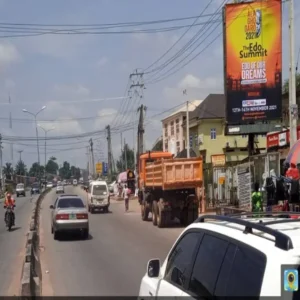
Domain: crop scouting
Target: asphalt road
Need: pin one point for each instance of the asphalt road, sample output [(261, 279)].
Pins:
[(12, 246), (111, 262)]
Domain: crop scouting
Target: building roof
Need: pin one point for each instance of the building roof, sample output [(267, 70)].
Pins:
[(192, 106), (212, 107)]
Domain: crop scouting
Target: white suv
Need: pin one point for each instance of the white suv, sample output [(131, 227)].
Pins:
[(230, 256)]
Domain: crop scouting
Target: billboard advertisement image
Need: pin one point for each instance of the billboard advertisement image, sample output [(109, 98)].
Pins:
[(253, 61)]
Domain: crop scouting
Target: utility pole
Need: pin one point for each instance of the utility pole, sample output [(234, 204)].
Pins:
[(140, 133), (292, 80), (10, 126), (125, 154), (122, 162), (20, 152), (109, 153), (138, 86), (1, 165), (187, 130), (92, 153), (88, 159)]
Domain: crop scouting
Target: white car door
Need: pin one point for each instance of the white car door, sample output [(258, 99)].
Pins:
[(176, 269)]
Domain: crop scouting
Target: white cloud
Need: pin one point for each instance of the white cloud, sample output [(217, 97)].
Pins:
[(8, 54), (106, 115), (102, 61), (197, 88), (58, 46), (9, 84), (71, 91)]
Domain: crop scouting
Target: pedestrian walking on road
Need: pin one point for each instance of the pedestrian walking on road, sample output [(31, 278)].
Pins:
[(126, 193)]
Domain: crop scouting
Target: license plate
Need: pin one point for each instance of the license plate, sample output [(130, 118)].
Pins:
[(72, 216)]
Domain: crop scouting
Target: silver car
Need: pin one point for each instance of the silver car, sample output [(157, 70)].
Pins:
[(60, 189), (69, 214)]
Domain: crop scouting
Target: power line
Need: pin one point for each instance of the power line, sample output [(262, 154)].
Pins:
[(199, 34), (180, 38), (30, 33)]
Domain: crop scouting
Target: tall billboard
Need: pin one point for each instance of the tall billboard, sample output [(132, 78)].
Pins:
[(253, 61)]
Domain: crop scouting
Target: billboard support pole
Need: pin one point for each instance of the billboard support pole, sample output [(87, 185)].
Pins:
[(293, 115), (251, 138)]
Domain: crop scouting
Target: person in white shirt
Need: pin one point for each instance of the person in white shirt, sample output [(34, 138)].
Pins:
[(126, 192)]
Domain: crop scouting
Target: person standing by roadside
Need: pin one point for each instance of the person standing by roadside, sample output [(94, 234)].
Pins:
[(126, 193)]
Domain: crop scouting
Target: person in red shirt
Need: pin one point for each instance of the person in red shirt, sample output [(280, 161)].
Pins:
[(9, 201), (293, 172)]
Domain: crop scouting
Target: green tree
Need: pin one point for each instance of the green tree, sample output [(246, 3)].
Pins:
[(75, 172), (158, 146), (285, 87), (130, 159), (8, 171), (65, 171), (21, 168), (52, 166), (36, 170)]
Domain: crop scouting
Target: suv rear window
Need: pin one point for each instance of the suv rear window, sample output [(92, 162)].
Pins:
[(99, 189), (20, 186)]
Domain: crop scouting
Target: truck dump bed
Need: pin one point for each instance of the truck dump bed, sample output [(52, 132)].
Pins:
[(177, 173)]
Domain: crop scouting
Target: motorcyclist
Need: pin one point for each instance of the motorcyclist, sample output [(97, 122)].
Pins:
[(9, 201)]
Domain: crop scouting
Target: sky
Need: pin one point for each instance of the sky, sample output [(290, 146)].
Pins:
[(81, 78)]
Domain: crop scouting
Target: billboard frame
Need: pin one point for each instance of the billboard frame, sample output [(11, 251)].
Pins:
[(225, 69)]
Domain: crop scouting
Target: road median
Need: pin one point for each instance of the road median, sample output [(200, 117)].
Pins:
[(31, 273)]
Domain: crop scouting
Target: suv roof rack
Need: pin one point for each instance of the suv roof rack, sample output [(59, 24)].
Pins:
[(282, 240), (68, 195), (284, 214)]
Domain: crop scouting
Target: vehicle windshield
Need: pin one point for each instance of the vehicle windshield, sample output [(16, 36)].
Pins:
[(99, 189), (20, 186), (70, 202), (35, 185)]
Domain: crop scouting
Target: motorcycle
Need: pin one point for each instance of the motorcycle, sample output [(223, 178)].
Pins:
[(9, 216)]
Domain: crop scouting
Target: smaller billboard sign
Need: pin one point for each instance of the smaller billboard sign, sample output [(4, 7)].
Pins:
[(99, 168), (104, 168)]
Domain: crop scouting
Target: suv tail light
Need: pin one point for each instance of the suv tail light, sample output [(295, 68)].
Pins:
[(81, 216), (62, 217)]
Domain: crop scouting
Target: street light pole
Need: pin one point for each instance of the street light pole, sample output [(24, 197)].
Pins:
[(37, 134), (46, 131)]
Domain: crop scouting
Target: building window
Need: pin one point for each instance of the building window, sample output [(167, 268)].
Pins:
[(166, 130), (178, 147), (177, 125), (213, 134), (166, 146), (172, 128)]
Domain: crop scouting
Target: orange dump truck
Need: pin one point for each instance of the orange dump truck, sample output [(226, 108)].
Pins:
[(167, 187)]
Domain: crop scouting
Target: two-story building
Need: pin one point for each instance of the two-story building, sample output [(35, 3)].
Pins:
[(207, 133), (173, 132)]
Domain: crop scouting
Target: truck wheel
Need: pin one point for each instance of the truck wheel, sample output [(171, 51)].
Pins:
[(162, 218), (145, 211), (155, 212)]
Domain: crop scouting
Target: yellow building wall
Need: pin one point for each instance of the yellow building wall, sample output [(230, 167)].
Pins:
[(216, 146)]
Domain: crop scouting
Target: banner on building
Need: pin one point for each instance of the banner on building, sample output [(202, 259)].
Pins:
[(253, 61)]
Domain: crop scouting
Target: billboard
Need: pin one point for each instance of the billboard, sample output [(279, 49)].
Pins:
[(253, 61), (104, 168), (99, 168)]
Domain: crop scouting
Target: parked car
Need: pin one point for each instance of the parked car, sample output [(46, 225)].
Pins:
[(35, 189), (60, 189), (69, 214), (229, 256), (20, 190)]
